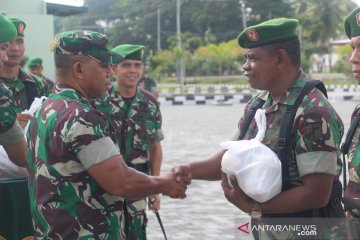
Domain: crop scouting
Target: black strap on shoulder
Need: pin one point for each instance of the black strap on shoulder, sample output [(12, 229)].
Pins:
[(285, 144), (346, 145), (250, 116)]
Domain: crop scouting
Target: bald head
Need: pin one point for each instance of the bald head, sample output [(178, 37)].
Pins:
[(64, 63)]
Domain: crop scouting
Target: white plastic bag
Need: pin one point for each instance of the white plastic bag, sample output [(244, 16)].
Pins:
[(256, 167), (8, 170), (35, 105)]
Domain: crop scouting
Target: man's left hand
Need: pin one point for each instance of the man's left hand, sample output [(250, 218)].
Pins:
[(154, 203), (235, 195)]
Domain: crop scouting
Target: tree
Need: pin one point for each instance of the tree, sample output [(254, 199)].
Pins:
[(224, 54), (323, 20)]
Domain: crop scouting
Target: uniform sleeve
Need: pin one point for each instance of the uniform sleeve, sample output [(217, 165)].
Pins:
[(12, 135), (318, 138), (89, 137), (7, 111), (158, 124)]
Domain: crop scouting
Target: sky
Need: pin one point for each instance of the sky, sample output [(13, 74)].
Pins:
[(356, 1)]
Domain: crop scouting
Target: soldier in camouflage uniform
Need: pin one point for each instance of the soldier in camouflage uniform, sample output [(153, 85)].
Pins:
[(149, 84), (23, 86), (352, 193), (11, 134), (35, 66), (78, 178), (136, 117), (13, 141), (273, 66)]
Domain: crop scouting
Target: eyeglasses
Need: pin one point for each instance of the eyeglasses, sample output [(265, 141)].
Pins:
[(104, 64)]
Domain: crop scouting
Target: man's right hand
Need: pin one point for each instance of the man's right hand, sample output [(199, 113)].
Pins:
[(182, 173), (175, 189), (23, 119)]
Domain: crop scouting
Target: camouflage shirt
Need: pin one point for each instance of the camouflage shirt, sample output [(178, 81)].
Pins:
[(354, 166), (66, 137), (149, 83), (138, 124), (19, 91), (317, 130), (10, 130)]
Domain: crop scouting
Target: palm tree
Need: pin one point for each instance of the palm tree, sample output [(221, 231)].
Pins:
[(320, 21)]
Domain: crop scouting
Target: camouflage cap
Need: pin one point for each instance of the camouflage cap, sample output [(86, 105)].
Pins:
[(88, 43), (129, 51), (34, 62), (352, 23), (268, 32), (19, 25), (7, 29)]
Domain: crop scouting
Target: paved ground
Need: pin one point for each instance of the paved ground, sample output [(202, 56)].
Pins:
[(192, 133)]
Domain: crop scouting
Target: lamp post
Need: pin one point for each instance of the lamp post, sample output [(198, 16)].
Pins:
[(243, 12), (180, 66)]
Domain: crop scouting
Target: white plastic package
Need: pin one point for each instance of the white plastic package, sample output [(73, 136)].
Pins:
[(8, 170), (256, 167), (35, 105)]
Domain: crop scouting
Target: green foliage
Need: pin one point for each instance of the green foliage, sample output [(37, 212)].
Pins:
[(224, 54), (207, 25)]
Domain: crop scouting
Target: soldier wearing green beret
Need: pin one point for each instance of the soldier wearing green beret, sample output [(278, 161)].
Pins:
[(15, 221), (23, 86), (78, 179), (35, 66), (351, 145), (312, 162), (148, 83), (137, 119)]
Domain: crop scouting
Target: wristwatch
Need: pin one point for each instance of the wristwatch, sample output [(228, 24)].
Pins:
[(256, 212)]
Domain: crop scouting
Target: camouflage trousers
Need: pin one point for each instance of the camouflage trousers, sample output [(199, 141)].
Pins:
[(135, 219)]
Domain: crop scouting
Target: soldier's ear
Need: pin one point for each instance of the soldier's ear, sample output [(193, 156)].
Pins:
[(282, 57), (78, 70)]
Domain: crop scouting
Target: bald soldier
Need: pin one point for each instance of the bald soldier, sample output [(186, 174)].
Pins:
[(78, 179), (12, 226), (136, 117), (311, 165)]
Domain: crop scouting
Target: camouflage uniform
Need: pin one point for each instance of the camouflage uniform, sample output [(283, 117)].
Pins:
[(353, 190), (10, 130), (149, 83), (317, 129), (49, 85), (354, 160), (138, 126), (19, 92), (15, 221), (66, 137)]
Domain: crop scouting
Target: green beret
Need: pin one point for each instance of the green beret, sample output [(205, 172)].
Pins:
[(352, 23), (129, 51), (92, 44), (34, 62), (265, 33), (19, 25), (7, 29)]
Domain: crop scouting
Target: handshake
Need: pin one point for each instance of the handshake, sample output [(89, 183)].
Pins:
[(176, 181)]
